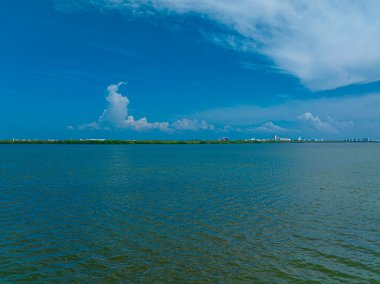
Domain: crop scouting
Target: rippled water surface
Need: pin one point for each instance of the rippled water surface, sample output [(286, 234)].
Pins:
[(190, 213)]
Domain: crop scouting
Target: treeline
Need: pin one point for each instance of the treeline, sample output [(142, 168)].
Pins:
[(170, 142), (134, 142)]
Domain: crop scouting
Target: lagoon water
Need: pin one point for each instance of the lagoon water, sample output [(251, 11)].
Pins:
[(267, 213)]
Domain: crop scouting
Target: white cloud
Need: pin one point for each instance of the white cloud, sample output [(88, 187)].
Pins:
[(331, 116), (116, 116), (330, 125), (268, 127), (326, 44), (335, 116), (347, 108), (317, 123)]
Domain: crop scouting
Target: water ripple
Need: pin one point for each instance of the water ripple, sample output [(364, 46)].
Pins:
[(194, 214)]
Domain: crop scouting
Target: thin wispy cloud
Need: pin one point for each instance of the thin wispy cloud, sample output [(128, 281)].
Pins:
[(355, 108), (348, 115), (326, 44), (268, 127), (192, 124)]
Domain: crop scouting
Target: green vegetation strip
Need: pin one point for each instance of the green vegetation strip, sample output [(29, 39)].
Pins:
[(169, 142)]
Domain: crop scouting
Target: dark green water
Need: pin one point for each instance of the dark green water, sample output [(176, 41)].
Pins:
[(268, 213)]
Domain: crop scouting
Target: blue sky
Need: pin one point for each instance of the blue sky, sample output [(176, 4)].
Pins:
[(191, 69)]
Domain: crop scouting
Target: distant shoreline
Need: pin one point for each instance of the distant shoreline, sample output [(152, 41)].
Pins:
[(172, 142)]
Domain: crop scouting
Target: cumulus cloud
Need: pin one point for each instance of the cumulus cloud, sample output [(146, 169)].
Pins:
[(116, 116), (326, 44), (329, 125), (317, 123), (332, 116)]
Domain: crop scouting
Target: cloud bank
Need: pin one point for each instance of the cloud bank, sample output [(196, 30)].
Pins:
[(363, 108), (331, 116), (326, 44), (324, 117), (116, 116)]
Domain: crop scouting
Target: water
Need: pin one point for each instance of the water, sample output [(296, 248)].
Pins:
[(190, 213)]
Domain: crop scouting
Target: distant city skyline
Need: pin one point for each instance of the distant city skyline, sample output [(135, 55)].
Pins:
[(189, 69)]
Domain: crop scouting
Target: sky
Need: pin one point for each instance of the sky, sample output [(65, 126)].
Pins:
[(189, 69)]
